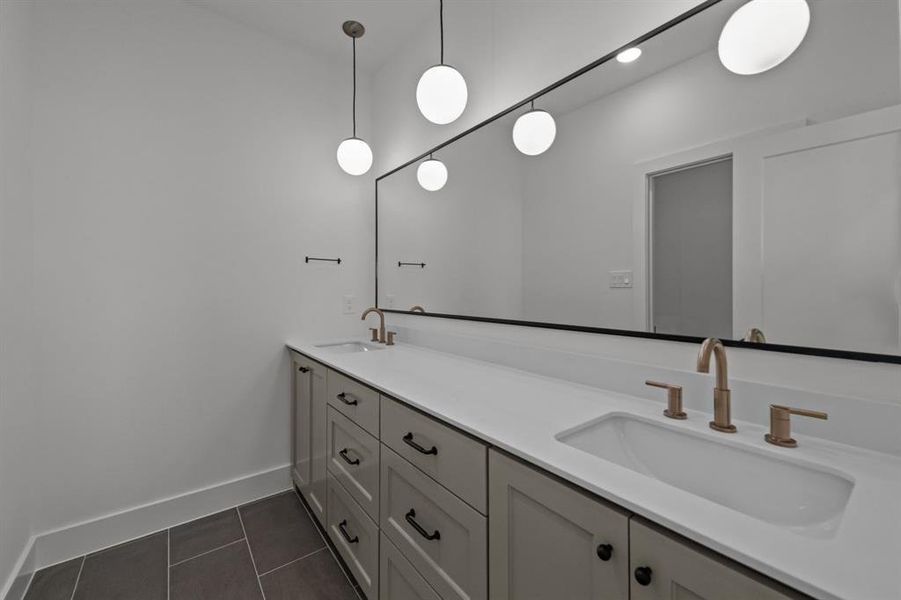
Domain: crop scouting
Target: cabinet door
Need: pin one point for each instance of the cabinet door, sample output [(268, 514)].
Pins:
[(547, 540), (301, 431), (316, 496), (664, 567), (309, 448)]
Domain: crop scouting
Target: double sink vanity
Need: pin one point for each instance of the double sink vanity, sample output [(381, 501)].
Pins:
[(437, 475)]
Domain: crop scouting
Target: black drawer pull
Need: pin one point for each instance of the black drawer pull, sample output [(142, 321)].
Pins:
[(605, 551), (408, 440), (643, 575), (342, 526), (303, 369), (347, 399), (350, 461), (411, 519)]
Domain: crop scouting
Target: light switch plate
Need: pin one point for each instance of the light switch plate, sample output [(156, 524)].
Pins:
[(620, 279), (347, 304)]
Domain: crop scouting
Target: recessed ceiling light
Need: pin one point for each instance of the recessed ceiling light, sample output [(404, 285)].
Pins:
[(628, 55), (763, 33)]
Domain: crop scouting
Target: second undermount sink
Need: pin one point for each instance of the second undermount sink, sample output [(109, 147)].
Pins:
[(805, 498), (349, 347)]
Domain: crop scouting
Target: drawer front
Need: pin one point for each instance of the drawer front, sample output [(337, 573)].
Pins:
[(443, 537), (355, 536), (398, 580), (353, 459), (355, 401), (455, 460)]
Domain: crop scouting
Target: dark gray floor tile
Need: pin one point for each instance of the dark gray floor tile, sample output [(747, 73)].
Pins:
[(203, 535), (226, 574), (132, 571), (279, 531), (56, 582), (316, 577)]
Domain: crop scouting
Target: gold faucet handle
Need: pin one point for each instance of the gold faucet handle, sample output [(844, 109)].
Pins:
[(673, 399), (780, 424), (375, 334), (390, 341)]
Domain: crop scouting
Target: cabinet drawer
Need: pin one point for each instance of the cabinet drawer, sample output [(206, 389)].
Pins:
[(353, 459), (443, 537), (398, 580), (355, 536), (354, 400), (455, 460)]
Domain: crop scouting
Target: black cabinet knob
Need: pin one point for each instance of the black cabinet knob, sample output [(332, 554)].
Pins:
[(605, 551), (643, 575)]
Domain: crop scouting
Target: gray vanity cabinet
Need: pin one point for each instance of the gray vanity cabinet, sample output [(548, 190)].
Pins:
[(309, 433), (666, 567), (547, 540)]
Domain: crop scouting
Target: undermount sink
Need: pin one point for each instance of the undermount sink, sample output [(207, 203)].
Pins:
[(807, 499), (349, 347)]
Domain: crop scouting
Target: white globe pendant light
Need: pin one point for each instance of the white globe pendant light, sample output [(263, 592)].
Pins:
[(534, 132), (441, 93), (354, 155), (431, 174), (762, 34)]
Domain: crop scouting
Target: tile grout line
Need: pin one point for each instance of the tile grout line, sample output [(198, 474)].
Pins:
[(341, 568), (168, 563), (78, 577), (294, 561), (250, 551), (232, 543)]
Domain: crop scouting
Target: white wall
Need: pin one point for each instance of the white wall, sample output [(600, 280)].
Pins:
[(17, 465), (184, 166)]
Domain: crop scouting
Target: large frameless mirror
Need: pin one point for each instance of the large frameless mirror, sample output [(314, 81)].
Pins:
[(678, 198)]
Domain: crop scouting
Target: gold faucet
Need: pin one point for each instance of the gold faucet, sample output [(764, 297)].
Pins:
[(755, 336), (722, 418), (381, 338), (417, 308)]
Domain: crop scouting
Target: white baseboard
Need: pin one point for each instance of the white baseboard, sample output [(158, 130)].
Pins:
[(76, 540), (15, 588)]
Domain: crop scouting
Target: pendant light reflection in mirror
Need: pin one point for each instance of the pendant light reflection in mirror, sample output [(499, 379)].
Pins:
[(534, 132), (441, 93), (354, 154), (431, 174), (762, 34)]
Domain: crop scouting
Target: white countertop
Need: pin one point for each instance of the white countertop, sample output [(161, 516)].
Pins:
[(522, 413)]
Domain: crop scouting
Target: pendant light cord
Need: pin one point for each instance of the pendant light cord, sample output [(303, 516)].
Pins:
[(354, 104), (441, 21)]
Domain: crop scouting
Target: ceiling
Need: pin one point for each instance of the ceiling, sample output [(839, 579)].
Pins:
[(316, 24)]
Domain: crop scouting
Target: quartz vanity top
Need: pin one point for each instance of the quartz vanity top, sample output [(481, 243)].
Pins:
[(521, 413)]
